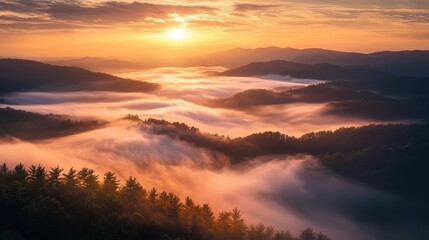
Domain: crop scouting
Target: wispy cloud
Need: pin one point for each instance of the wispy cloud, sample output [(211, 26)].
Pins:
[(77, 14), (243, 7), (66, 14), (282, 22)]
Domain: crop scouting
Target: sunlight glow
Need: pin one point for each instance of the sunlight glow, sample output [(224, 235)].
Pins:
[(177, 34)]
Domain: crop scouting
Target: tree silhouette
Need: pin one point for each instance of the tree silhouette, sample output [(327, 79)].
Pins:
[(37, 177), (307, 234), (88, 179), (283, 235), (55, 176), (110, 183), (321, 236), (19, 173), (70, 178), (35, 204), (238, 225)]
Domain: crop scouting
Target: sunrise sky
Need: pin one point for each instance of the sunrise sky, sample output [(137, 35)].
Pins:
[(158, 29)]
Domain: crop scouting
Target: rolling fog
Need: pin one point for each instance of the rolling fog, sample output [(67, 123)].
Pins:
[(285, 192), (183, 96)]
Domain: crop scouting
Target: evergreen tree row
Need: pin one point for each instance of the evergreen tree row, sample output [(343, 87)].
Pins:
[(40, 203)]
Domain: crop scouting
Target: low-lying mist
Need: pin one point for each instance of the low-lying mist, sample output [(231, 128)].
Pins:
[(286, 192), (182, 97)]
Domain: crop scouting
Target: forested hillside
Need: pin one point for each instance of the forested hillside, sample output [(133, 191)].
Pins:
[(26, 75), (40, 203), (34, 126), (379, 155)]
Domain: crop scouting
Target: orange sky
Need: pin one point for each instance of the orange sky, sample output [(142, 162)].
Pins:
[(142, 29)]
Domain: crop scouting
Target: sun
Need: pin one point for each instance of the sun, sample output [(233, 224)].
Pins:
[(177, 34)]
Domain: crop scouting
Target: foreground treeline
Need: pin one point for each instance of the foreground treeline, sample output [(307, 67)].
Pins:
[(40, 203)]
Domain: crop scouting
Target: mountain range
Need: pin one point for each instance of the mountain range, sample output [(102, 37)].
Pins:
[(407, 63), (348, 90), (99, 64), (26, 75), (351, 77)]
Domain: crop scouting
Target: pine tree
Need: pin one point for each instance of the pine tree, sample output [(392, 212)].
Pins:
[(238, 225), (88, 179), (19, 173), (110, 183), (54, 176), (37, 176), (70, 179), (307, 234)]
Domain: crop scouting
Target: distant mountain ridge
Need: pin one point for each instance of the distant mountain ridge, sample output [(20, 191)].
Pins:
[(26, 75), (405, 63), (357, 78), (322, 71), (349, 91), (99, 64)]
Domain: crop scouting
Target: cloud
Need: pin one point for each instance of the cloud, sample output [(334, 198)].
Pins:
[(416, 34), (243, 7), (408, 16), (365, 3), (67, 14), (51, 15), (120, 11), (376, 15), (126, 23)]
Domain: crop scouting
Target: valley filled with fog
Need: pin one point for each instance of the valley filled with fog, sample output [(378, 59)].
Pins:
[(285, 191), (183, 97), (214, 120)]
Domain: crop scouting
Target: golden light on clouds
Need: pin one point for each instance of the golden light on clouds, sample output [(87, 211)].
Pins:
[(209, 26)]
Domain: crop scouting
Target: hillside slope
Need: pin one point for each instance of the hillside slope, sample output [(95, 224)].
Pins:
[(25, 75)]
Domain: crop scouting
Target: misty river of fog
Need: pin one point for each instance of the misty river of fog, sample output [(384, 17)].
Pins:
[(183, 96), (285, 192)]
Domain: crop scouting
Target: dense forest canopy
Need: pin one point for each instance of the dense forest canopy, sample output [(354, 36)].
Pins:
[(41, 203)]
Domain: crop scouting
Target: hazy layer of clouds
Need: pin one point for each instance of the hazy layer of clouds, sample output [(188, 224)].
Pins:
[(139, 29), (252, 7), (77, 14), (151, 15), (183, 96), (119, 11), (378, 3)]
